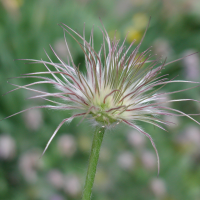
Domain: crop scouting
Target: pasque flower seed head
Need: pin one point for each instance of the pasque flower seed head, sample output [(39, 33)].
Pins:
[(119, 85)]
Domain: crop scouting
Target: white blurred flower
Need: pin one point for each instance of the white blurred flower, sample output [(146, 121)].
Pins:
[(33, 119), (195, 6), (7, 147), (141, 2), (66, 145), (158, 187), (60, 47), (191, 65), (136, 139), (57, 197), (148, 160), (55, 177), (162, 47), (29, 163), (126, 160), (190, 136), (122, 7), (72, 185)]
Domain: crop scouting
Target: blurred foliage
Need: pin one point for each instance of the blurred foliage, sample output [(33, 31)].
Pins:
[(127, 167)]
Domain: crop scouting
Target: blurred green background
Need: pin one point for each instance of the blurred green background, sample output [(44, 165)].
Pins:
[(127, 167)]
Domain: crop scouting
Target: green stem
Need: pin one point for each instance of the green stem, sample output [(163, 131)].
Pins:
[(94, 156)]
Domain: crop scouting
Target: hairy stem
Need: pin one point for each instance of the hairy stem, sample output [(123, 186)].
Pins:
[(94, 156)]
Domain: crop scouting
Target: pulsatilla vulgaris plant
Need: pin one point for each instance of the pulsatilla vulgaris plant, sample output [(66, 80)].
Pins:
[(118, 87)]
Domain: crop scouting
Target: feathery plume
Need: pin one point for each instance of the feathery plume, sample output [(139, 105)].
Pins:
[(118, 87)]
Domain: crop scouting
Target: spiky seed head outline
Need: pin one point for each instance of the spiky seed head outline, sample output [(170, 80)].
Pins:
[(118, 87)]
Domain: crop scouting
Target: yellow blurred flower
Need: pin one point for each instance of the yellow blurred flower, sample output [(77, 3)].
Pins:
[(101, 178), (12, 6), (140, 21), (133, 34), (84, 143), (135, 31)]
